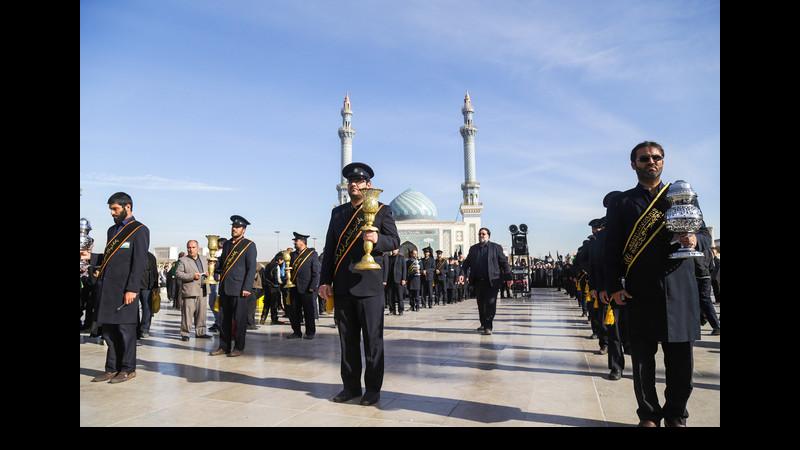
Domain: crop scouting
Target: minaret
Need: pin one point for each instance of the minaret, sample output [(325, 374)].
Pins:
[(471, 205), (346, 133)]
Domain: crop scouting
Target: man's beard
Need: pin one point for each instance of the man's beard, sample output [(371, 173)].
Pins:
[(644, 174), (483, 241), (122, 216)]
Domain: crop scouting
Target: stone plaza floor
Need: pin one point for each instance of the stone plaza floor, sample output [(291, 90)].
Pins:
[(538, 369)]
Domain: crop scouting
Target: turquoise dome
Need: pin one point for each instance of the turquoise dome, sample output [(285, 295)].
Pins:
[(413, 205)]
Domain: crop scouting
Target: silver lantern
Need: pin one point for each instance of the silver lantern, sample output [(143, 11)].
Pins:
[(682, 216), (86, 241)]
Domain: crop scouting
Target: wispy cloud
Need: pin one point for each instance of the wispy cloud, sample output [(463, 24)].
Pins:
[(149, 182)]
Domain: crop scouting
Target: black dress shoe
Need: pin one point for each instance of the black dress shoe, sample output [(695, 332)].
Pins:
[(344, 396), (205, 336), (294, 336), (648, 423), (370, 398), (235, 353), (184, 338), (308, 336), (603, 350), (674, 423), (614, 375)]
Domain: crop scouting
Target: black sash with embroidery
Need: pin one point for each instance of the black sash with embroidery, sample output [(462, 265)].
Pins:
[(116, 242), (649, 224), (234, 256), (299, 261), (349, 237)]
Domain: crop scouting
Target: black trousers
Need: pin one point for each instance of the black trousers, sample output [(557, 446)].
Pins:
[(450, 295), (579, 295), (303, 305), (706, 305), (427, 293), (121, 342), (146, 315), (394, 292), (715, 286), (440, 294), (413, 299), (487, 302), (617, 340), (460, 292), (272, 300), (678, 362), (354, 316), (233, 318), (598, 327), (252, 303)]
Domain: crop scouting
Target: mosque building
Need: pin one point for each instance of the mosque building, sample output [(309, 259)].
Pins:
[(415, 214)]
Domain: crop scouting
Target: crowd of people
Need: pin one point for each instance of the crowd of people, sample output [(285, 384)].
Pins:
[(633, 302)]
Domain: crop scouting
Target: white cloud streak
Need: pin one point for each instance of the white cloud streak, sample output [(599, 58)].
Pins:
[(149, 182)]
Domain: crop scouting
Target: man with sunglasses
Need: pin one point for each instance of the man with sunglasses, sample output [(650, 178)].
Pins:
[(486, 265), (660, 293), (358, 294)]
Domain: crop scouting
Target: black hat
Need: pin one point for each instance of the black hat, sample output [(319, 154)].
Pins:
[(297, 236), (239, 221), (357, 170), (438, 252), (609, 198), (427, 249), (597, 223)]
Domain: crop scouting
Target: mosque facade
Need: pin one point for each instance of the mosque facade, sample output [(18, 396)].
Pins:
[(415, 214)]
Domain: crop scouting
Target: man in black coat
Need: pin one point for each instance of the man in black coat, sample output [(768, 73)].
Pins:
[(305, 276), (440, 276), (394, 275), (487, 265), (149, 284), (618, 344), (118, 284), (358, 294), (451, 279), (413, 280), (428, 266), (236, 272), (662, 295), (593, 266)]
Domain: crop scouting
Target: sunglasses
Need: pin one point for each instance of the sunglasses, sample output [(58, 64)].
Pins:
[(646, 158)]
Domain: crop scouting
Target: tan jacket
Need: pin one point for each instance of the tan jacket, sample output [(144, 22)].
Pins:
[(187, 267)]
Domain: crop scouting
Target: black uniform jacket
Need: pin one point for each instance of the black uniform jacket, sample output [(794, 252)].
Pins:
[(450, 273), (497, 265), (347, 281), (428, 265), (441, 277), (243, 273), (123, 273), (397, 266), (665, 304), (413, 279), (307, 279), (597, 272)]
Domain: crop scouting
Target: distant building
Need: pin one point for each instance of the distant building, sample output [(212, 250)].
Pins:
[(164, 254), (414, 213)]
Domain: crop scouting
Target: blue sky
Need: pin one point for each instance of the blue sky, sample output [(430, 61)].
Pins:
[(203, 109)]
